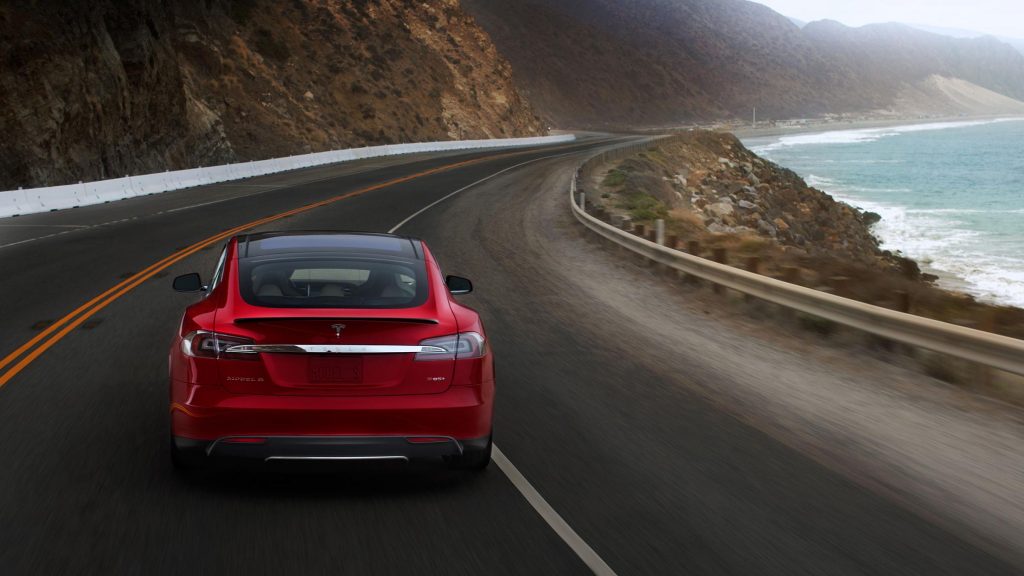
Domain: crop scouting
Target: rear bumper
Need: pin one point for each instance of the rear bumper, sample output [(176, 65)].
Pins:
[(325, 449), (211, 413)]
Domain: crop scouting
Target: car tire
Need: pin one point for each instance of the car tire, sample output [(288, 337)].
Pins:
[(474, 459), (186, 459)]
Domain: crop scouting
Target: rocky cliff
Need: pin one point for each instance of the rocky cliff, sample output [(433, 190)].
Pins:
[(108, 88), (707, 184)]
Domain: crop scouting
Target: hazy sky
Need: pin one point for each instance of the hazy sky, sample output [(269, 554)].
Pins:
[(999, 17)]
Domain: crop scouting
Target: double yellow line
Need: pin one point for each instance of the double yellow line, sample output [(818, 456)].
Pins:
[(59, 329)]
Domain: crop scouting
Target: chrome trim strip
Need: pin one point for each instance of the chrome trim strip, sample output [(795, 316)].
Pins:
[(335, 349), (333, 319), (289, 458)]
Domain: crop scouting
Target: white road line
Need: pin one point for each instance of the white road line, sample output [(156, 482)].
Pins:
[(480, 181), (553, 518), (43, 226), (532, 496), (29, 240)]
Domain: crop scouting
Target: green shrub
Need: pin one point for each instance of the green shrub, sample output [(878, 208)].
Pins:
[(615, 178), (643, 206)]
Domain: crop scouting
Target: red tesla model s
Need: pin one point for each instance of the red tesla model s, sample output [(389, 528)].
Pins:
[(329, 346)]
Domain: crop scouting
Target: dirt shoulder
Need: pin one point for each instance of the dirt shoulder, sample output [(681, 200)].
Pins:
[(953, 456)]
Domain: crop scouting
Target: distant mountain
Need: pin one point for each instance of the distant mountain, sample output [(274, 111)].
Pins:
[(113, 87), (655, 62), (885, 57), (1017, 43), (624, 62)]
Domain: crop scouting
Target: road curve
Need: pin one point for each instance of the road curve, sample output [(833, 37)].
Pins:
[(595, 413)]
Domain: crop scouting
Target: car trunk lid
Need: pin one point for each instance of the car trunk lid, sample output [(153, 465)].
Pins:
[(358, 354)]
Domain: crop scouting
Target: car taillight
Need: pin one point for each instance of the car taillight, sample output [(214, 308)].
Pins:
[(456, 346), (203, 344)]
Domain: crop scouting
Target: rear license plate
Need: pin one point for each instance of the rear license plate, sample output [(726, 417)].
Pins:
[(343, 370)]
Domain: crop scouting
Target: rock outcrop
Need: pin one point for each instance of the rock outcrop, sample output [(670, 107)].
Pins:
[(707, 182), (102, 89)]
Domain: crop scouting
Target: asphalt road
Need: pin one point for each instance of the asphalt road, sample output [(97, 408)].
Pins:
[(596, 412)]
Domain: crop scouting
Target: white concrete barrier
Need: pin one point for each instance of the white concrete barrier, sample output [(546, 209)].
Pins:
[(16, 202)]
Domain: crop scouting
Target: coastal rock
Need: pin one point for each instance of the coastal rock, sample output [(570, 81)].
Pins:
[(870, 218), (766, 228), (721, 209), (778, 206)]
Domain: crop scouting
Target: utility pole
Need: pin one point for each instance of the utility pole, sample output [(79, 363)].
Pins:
[(754, 123)]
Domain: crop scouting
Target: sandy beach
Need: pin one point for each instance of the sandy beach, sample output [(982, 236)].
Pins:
[(812, 126)]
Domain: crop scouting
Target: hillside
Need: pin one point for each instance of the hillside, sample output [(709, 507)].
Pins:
[(655, 62), (615, 62), (887, 56), (103, 89)]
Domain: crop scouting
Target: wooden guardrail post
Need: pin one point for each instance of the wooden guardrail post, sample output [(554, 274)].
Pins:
[(903, 301), (983, 373), (753, 265), (719, 255), (840, 285), (791, 274), (693, 247)]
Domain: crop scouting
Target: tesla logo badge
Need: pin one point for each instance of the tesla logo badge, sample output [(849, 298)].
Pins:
[(337, 329)]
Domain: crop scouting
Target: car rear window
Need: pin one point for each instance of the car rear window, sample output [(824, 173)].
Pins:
[(293, 282), (385, 246)]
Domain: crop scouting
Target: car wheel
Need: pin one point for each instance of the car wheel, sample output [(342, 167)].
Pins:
[(474, 458), (186, 458)]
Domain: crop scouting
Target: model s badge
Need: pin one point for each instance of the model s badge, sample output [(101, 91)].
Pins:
[(337, 329)]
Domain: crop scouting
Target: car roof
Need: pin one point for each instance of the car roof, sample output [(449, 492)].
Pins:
[(318, 242)]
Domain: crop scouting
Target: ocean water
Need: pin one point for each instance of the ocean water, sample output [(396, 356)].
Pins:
[(951, 194)]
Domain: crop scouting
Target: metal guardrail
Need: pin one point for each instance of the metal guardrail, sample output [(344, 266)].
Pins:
[(985, 348)]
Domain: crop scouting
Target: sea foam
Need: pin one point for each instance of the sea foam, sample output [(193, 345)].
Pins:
[(954, 202), (868, 134)]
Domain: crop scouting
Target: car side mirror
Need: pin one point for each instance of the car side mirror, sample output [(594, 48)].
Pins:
[(458, 285), (189, 283)]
